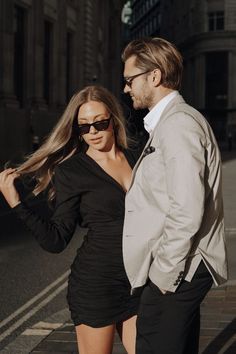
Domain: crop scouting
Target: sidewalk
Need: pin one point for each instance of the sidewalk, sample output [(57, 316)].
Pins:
[(217, 336), (218, 328), (218, 320)]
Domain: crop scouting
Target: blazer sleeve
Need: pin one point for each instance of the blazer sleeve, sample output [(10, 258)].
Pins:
[(55, 233), (182, 143)]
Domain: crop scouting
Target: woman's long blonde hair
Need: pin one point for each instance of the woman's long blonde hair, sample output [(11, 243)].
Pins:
[(64, 139)]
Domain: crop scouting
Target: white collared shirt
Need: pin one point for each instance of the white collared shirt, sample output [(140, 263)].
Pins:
[(152, 118)]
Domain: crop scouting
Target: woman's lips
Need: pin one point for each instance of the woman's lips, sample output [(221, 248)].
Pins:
[(95, 140)]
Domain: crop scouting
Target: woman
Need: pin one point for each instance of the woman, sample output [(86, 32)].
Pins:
[(86, 164)]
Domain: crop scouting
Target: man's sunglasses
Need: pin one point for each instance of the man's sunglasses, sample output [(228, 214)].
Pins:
[(99, 126), (128, 80)]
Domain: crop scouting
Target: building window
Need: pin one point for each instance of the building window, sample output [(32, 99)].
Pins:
[(47, 60), (216, 79), (216, 84), (216, 21), (19, 53)]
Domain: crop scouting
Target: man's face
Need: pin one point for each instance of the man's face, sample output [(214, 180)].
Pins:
[(137, 85)]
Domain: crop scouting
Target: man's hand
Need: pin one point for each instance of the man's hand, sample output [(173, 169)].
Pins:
[(7, 187)]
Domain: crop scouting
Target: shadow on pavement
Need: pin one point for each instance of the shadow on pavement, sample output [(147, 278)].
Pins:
[(222, 339)]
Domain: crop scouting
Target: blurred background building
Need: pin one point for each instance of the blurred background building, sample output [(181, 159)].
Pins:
[(49, 49), (145, 17), (205, 32)]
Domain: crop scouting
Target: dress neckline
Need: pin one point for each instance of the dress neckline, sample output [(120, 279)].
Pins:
[(113, 180)]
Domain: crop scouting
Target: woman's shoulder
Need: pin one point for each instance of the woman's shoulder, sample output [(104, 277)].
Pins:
[(69, 164), (69, 173)]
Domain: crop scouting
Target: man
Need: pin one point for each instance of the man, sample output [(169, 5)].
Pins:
[(174, 228)]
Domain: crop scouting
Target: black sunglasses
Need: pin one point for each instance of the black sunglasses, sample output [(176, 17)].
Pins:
[(99, 126), (128, 80)]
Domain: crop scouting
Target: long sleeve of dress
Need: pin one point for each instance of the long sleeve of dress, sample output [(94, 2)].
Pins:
[(55, 233)]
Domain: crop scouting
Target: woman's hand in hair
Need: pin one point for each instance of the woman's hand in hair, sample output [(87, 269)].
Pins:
[(8, 188)]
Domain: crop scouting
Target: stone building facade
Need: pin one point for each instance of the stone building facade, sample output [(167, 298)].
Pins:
[(145, 18), (48, 50), (205, 32)]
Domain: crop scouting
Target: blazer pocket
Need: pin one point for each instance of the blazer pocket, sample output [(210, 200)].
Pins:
[(154, 154), (152, 161)]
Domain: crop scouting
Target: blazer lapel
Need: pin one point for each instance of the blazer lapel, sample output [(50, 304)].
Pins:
[(140, 158), (167, 111)]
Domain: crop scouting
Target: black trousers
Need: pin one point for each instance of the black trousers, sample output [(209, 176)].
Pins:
[(170, 323)]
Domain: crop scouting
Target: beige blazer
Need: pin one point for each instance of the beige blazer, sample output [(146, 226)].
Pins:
[(174, 208)]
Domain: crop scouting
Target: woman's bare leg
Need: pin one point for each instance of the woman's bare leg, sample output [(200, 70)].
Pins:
[(95, 340), (127, 333)]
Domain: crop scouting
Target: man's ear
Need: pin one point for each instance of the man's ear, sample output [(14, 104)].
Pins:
[(156, 77)]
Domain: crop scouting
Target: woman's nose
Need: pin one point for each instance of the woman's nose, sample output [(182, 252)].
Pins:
[(92, 129)]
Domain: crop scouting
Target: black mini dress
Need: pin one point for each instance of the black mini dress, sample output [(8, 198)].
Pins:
[(98, 287)]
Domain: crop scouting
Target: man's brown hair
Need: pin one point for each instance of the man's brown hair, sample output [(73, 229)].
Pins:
[(157, 53)]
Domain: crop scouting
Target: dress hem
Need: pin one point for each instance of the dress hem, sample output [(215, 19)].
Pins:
[(122, 318)]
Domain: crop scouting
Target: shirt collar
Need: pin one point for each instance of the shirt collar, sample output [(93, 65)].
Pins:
[(153, 117)]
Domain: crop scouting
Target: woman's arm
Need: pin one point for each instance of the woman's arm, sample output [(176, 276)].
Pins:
[(53, 235)]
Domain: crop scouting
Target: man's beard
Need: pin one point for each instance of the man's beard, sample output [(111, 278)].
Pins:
[(143, 102)]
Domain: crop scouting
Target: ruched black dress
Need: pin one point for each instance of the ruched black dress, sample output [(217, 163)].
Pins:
[(98, 288)]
